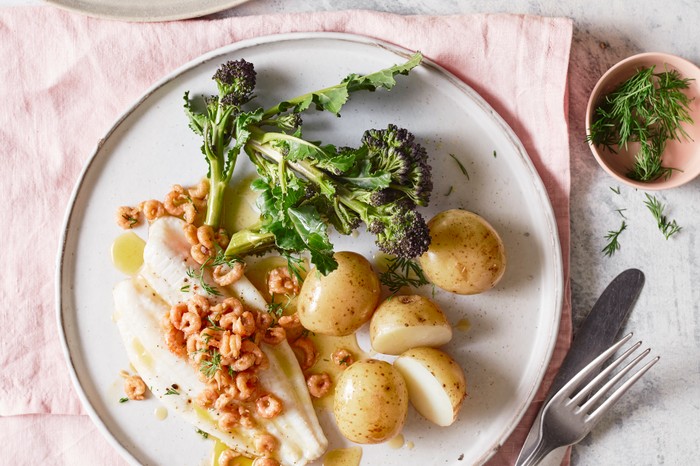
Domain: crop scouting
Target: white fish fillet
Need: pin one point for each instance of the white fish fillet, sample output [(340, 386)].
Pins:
[(142, 301)]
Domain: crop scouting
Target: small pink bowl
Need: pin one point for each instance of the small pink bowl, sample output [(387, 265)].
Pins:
[(684, 155)]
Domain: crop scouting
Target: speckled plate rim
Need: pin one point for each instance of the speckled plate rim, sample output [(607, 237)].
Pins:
[(151, 11), (64, 287)]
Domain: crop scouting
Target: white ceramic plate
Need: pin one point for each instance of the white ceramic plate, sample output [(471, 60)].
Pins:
[(148, 10), (513, 327)]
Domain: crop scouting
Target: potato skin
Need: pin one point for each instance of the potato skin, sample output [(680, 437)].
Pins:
[(371, 402), (466, 254), (406, 321), (342, 301)]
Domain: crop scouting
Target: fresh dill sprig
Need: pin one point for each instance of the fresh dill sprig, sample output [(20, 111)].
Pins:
[(613, 244), (402, 272), (222, 259), (277, 308), (649, 108), (208, 367), (449, 191), (615, 190), (123, 399), (657, 210), (461, 167), (198, 275), (619, 211)]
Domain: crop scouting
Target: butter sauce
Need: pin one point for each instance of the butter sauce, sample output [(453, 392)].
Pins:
[(127, 253), (343, 457)]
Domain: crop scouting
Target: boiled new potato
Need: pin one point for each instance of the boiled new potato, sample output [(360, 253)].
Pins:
[(342, 301), (403, 322), (371, 401), (466, 254), (436, 383)]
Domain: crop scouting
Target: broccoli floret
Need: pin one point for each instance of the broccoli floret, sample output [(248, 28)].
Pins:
[(400, 231), (394, 150), (236, 82)]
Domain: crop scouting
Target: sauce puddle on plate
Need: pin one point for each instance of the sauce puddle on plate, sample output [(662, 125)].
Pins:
[(343, 457), (127, 253)]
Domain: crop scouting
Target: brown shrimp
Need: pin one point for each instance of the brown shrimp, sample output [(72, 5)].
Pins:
[(190, 233), (175, 200), (265, 443), (245, 324), (342, 357), (305, 351), (206, 398), (191, 323), (280, 281), (176, 313), (199, 305), (268, 406), (319, 384), (274, 335), (230, 345), (128, 217), (152, 209), (225, 274), (247, 384), (227, 457), (229, 420), (265, 461), (134, 387), (199, 191)]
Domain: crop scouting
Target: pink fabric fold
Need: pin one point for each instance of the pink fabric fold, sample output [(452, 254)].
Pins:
[(66, 78)]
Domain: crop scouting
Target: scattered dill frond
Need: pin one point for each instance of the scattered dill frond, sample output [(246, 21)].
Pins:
[(402, 272), (171, 391), (449, 191), (210, 366), (202, 433), (613, 240), (123, 399), (615, 190), (461, 167), (619, 211), (656, 208), (198, 275)]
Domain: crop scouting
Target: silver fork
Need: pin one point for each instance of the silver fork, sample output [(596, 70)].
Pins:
[(570, 414)]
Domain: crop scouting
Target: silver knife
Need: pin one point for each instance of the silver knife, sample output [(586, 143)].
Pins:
[(595, 334)]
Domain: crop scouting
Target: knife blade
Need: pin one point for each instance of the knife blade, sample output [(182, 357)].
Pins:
[(595, 334)]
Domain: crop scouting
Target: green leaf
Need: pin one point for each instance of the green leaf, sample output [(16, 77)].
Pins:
[(311, 229), (333, 98), (196, 119)]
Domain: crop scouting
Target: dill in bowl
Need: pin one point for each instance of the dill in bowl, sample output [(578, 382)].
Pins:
[(649, 108)]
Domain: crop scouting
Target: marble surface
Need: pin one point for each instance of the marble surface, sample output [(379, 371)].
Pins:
[(658, 422)]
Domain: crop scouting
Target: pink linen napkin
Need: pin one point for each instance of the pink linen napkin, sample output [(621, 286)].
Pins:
[(65, 78)]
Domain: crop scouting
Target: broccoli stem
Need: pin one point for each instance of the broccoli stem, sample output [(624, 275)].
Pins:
[(249, 241), (321, 179), (219, 172)]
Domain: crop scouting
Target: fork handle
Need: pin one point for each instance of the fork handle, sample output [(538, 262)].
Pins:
[(541, 450)]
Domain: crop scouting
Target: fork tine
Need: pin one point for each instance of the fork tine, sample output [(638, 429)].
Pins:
[(595, 415), (588, 389), (602, 391), (576, 380)]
